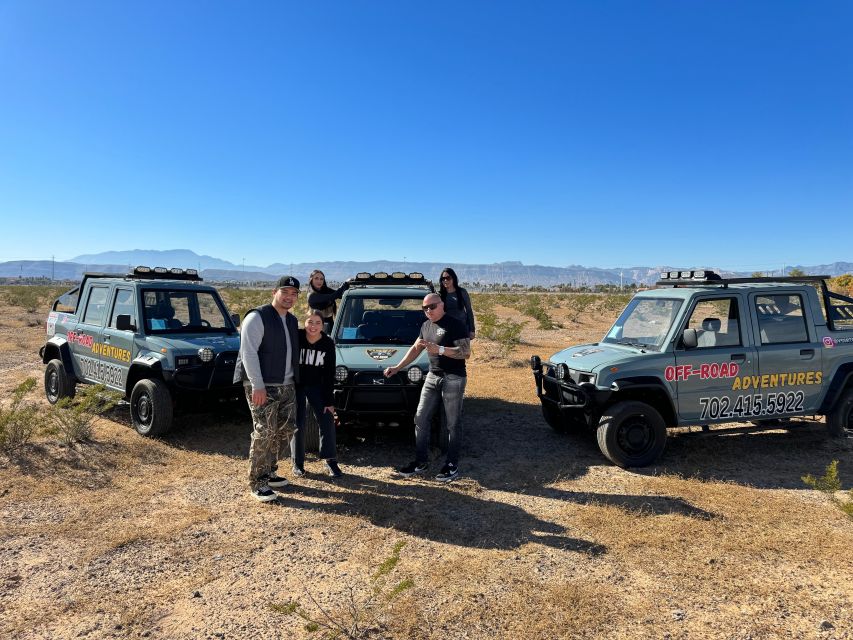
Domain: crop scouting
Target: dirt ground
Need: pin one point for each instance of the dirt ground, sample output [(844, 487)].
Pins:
[(541, 537)]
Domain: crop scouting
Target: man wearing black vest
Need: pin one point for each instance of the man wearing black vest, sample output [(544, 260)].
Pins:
[(268, 365)]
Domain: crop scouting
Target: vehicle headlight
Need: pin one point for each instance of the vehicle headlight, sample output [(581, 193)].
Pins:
[(206, 354), (562, 371), (341, 373), (415, 374)]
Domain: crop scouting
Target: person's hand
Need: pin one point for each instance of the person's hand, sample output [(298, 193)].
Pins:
[(421, 343), (390, 371), (259, 397), (329, 409), (432, 348)]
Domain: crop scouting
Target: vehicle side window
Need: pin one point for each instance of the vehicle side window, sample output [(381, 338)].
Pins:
[(781, 319), (717, 323), (96, 306), (123, 305)]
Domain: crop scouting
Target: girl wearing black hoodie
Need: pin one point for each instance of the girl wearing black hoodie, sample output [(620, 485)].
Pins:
[(315, 393), (321, 297)]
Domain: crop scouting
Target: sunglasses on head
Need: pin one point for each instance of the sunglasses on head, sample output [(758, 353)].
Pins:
[(431, 307)]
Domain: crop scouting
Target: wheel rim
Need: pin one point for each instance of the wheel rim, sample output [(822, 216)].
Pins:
[(143, 409), (635, 436), (53, 384)]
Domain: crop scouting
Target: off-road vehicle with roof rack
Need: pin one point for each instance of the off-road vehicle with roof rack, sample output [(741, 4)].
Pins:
[(378, 319), (701, 350), (157, 336)]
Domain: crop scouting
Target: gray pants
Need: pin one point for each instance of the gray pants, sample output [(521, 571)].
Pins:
[(449, 392), (272, 425)]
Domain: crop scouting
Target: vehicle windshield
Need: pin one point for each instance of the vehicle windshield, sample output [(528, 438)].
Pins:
[(379, 320), (184, 311), (644, 323)]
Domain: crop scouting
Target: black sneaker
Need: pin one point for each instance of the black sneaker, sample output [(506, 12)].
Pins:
[(276, 481), (413, 468), (333, 469), (298, 472), (264, 494), (448, 472)]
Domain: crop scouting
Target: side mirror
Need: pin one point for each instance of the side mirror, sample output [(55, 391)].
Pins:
[(690, 339), (123, 323), (235, 319)]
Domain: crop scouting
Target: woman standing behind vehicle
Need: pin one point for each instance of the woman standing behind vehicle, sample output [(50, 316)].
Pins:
[(457, 302), (321, 298), (315, 393)]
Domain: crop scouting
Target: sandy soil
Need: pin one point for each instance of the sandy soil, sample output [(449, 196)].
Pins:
[(540, 538)]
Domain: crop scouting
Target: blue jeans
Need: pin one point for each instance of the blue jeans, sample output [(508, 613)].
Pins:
[(312, 397), (449, 391)]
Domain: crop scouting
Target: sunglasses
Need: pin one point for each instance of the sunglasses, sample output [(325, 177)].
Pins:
[(446, 278), (431, 307)]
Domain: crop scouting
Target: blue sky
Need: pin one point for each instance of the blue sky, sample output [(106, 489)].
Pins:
[(606, 133)]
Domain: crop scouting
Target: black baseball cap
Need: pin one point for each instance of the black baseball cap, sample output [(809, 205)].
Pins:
[(287, 281)]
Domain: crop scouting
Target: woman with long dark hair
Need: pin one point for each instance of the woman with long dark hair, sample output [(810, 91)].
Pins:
[(321, 298), (457, 302)]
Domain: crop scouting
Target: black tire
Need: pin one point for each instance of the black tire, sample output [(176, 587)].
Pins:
[(151, 407), (839, 421), (631, 434), (312, 432), (57, 383), (554, 417)]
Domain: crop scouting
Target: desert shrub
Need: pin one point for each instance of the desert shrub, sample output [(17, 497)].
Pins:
[(534, 306), (360, 613), (31, 298), (239, 301), (579, 304), (842, 284), (506, 333), (19, 420), (830, 484), (72, 419)]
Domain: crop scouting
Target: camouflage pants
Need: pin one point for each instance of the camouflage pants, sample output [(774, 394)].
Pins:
[(273, 425)]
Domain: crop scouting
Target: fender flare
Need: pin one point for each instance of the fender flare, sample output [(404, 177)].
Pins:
[(636, 385), (57, 347), (841, 379)]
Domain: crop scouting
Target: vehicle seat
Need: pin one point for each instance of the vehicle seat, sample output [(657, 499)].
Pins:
[(164, 311), (708, 333), (369, 327)]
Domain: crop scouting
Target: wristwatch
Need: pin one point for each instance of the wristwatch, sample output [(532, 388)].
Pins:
[(441, 350)]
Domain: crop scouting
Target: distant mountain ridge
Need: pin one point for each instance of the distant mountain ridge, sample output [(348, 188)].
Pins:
[(217, 270)]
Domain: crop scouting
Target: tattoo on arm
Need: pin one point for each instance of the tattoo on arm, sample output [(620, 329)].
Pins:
[(462, 350)]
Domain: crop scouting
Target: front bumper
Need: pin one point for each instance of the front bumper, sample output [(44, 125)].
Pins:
[(566, 393), (367, 396), (215, 376)]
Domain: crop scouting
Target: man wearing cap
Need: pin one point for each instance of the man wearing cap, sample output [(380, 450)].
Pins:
[(447, 342), (268, 366)]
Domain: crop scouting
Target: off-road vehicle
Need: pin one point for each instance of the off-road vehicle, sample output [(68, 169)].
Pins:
[(158, 336), (702, 350), (378, 319)]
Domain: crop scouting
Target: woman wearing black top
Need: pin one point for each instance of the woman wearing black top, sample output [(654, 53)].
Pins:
[(315, 392), (321, 298), (457, 302)]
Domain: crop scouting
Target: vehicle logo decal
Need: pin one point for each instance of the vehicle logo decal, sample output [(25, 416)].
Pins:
[(379, 381), (828, 342), (586, 352), (381, 354)]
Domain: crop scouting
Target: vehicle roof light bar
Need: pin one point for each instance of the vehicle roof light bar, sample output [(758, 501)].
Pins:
[(704, 276)]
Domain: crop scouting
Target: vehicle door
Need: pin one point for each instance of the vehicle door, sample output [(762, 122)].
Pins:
[(790, 372), (708, 376), (85, 338), (117, 346)]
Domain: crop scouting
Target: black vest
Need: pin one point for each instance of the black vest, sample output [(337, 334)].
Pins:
[(272, 352)]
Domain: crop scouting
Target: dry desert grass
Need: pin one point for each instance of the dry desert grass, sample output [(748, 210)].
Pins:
[(540, 538)]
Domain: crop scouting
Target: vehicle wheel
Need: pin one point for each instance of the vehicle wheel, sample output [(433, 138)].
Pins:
[(631, 434), (840, 419), (57, 383), (151, 407), (312, 432), (554, 417)]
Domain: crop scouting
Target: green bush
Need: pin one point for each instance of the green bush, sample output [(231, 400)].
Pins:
[(830, 484), (18, 421), (31, 298), (72, 419)]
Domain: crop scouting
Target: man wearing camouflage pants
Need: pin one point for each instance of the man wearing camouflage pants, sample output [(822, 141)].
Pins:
[(268, 366)]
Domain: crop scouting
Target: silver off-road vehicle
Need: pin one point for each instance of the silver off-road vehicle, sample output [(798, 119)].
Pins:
[(702, 350)]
